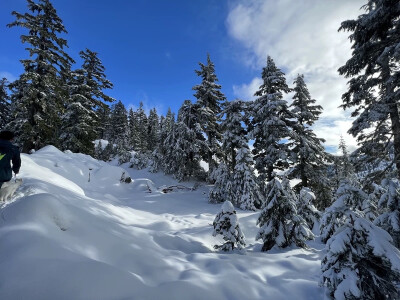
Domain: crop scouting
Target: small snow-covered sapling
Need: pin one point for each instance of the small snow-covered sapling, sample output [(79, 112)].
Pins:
[(226, 224)]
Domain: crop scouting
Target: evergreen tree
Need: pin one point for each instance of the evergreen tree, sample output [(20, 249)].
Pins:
[(358, 265), (133, 130), (104, 116), (370, 205), (153, 130), (346, 170), (141, 128), (167, 144), (4, 103), (374, 86), (306, 208), (348, 198), (307, 152), (232, 130), (271, 123), (188, 142), (119, 121), (287, 188), (222, 190), (79, 120), (279, 221), (209, 98), (390, 203), (41, 88), (226, 224), (93, 72), (245, 187)]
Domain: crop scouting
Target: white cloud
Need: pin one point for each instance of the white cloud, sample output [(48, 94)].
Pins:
[(10, 77), (301, 37), (246, 91)]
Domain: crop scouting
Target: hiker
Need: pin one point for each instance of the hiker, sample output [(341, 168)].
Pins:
[(8, 153)]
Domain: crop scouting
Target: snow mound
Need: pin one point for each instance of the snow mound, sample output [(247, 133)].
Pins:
[(64, 237)]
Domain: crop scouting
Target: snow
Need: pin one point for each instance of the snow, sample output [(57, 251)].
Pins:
[(65, 237)]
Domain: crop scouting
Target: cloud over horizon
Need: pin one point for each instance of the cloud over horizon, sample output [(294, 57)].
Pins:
[(302, 37)]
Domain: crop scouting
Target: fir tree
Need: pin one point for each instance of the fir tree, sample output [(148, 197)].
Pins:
[(141, 128), (79, 120), (134, 139), (153, 130), (119, 121), (358, 265), (188, 142), (346, 170), (370, 205), (306, 208), (307, 152), (222, 190), (226, 224), (167, 144), (245, 187), (96, 82), (279, 222), (374, 86), (209, 98), (40, 89), (232, 130), (348, 198), (271, 123), (4, 103), (104, 116), (390, 203)]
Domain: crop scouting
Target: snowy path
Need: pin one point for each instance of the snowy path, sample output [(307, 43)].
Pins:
[(67, 238)]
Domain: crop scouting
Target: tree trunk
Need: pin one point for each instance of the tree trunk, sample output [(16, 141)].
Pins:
[(270, 171), (304, 181)]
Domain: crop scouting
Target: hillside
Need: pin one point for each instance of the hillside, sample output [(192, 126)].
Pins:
[(63, 237)]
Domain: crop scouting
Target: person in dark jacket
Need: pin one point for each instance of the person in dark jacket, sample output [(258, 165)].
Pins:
[(8, 153)]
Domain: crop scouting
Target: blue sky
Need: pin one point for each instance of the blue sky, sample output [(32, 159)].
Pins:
[(151, 48)]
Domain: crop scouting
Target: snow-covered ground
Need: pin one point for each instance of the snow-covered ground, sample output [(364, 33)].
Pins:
[(63, 237)]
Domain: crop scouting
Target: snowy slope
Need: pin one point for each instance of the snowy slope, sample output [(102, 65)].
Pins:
[(66, 238)]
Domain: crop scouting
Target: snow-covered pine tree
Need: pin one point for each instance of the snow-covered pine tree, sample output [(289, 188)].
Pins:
[(370, 205), (153, 130), (209, 98), (374, 86), (306, 208), (161, 155), (41, 88), (4, 103), (244, 184), (287, 188), (358, 264), (141, 128), (226, 224), (222, 190), (133, 139), (232, 129), (279, 221), (346, 169), (271, 123), (119, 120), (78, 129), (189, 141), (348, 197), (96, 81), (390, 203), (104, 116), (307, 152), (167, 145)]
